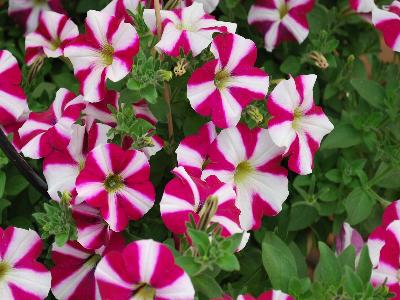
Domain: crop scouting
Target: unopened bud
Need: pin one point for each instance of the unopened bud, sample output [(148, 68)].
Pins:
[(165, 75), (319, 59), (143, 142), (35, 68), (207, 212)]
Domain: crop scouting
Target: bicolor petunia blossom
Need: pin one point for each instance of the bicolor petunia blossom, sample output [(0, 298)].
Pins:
[(21, 276), (208, 5), (189, 29), (145, 269), (105, 51), (51, 130), (13, 103), (99, 111), (297, 124), (73, 273), (388, 22), (50, 38), (222, 87), (269, 295), (26, 12), (117, 182), (362, 6), (281, 20), (186, 195), (349, 237), (192, 150), (251, 161), (120, 8), (61, 168)]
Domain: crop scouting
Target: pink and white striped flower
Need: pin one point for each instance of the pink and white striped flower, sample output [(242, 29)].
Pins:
[(145, 269), (61, 168), (73, 273), (349, 237), (13, 103), (93, 231), (120, 8), (21, 276), (269, 295), (251, 161), (186, 195), (26, 12), (297, 123), (362, 6), (208, 5), (281, 20), (388, 22), (189, 29), (117, 182), (99, 111), (105, 51), (51, 130), (53, 33), (192, 150), (222, 87)]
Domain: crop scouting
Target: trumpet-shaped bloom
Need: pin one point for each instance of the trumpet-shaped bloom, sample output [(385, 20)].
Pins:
[(26, 12), (51, 130), (349, 237), (223, 87), (117, 182), (192, 150), (53, 33), (297, 124), (120, 8), (208, 5), (281, 20), (13, 104), (251, 161), (105, 51), (388, 22), (362, 6), (186, 195), (21, 276), (61, 168), (73, 273), (145, 269), (189, 29)]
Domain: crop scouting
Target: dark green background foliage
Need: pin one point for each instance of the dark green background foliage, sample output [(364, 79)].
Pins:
[(356, 171)]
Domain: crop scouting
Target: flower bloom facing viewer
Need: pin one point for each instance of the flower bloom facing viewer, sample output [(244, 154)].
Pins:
[(251, 161), (297, 124), (189, 28), (388, 22), (222, 87), (145, 269), (26, 12), (53, 33), (117, 182), (105, 51), (281, 20), (21, 276)]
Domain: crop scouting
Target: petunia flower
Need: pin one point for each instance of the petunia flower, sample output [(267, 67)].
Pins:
[(117, 182), (192, 150), (388, 22), (189, 29), (120, 8), (13, 103), (251, 161), (26, 12), (281, 20), (208, 5), (61, 168), (269, 295), (186, 195), (106, 51), (297, 123), (51, 130), (362, 6), (100, 111), (349, 237), (222, 87), (21, 276), (145, 269), (50, 38), (73, 273)]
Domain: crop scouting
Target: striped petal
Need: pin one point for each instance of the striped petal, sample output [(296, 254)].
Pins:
[(388, 22)]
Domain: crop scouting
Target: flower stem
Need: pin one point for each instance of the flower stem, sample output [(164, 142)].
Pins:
[(20, 163)]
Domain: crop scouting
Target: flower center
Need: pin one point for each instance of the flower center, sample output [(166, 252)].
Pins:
[(221, 79), (113, 183), (182, 26), (283, 10), (54, 44), (4, 269), (297, 115), (93, 260), (243, 170), (39, 2), (107, 53), (144, 292)]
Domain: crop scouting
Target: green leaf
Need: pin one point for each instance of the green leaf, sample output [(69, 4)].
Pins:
[(343, 136), (291, 65), (358, 205), (302, 215), (188, 264), (352, 282), (328, 269), (370, 90), (347, 257), (149, 93), (207, 286), (364, 267), (228, 262), (2, 183), (334, 175), (278, 261), (200, 239)]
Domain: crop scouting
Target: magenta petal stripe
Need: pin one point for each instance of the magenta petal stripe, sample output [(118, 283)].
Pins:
[(388, 22)]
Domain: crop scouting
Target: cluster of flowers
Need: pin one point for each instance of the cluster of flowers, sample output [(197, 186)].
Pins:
[(383, 245)]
